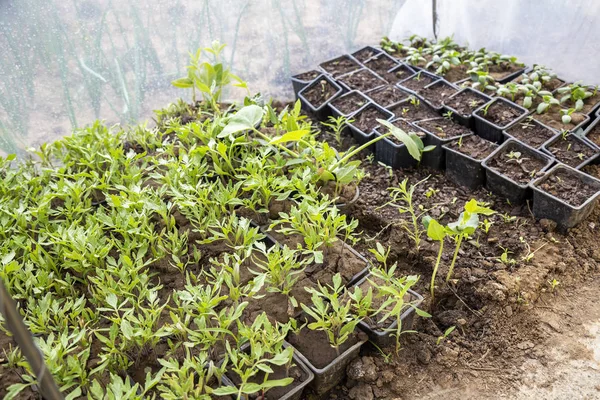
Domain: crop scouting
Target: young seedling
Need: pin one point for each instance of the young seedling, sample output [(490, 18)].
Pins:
[(447, 333), (337, 125)]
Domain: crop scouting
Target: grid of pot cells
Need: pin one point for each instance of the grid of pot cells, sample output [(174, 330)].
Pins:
[(504, 117)]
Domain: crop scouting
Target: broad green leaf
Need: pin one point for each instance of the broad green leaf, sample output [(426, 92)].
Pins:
[(436, 231), (183, 83), (245, 119), (278, 383), (422, 313), (290, 137), (225, 390), (403, 137)]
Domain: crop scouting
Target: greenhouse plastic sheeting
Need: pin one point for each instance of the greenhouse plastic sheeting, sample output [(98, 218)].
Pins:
[(560, 34), (65, 64)]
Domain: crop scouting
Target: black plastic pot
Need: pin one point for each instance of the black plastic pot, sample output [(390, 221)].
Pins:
[(512, 76), (336, 112), (383, 338), (296, 392), (320, 111), (363, 137), (465, 119), (300, 81), (565, 215), (586, 132), (390, 101), (437, 85), (335, 71), (504, 186), (393, 63), (365, 53), (576, 128), (463, 169), (347, 205), (584, 142), (343, 80), (435, 158), (490, 131), (328, 377), (394, 154), (528, 120), (421, 73), (401, 67)]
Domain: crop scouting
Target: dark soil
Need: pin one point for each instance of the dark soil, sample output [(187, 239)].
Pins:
[(522, 171), (437, 93), (456, 73), (340, 66), (501, 113), (553, 119), (365, 53), (274, 393), (387, 95), (474, 146), (406, 127), (465, 102), (381, 64), (319, 93), (550, 85), (366, 119), (349, 103), (571, 150), (363, 80), (499, 72), (531, 132), (308, 76), (417, 82), (314, 345), (568, 186), (443, 128), (413, 111), (398, 74), (594, 135), (592, 169)]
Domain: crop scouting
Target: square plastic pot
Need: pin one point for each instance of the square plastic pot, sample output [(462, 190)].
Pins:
[(588, 130), (330, 70), (512, 76), (321, 111), (507, 132), (369, 52), (463, 169), (401, 66), (418, 73), (394, 154), (465, 119), (328, 377), (565, 215), (337, 113), (299, 82), (579, 126), (437, 84), (296, 392), (377, 80), (370, 62), (363, 137), (490, 131), (584, 142), (435, 158), (384, 338), (371, 94), (504, 186)]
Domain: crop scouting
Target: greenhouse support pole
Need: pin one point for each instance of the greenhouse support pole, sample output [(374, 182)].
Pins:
[(8, 308)]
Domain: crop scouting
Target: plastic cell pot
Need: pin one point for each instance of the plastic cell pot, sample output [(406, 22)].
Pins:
[(490, 130), (361, 136), (462, 117), (394, 154), (547, 205), (501, 184), (592, 134), (340, 65), (413, 83), (321, 110), (365, 53), (300, 81), (381, 64), (361, 79), (356, 99), (517, 132), (464, 169), (399, 73), (295, 392), (512, 75), (436, 158), (579, 141), (383, 337), (441, 86), (327, 377), (387, 96), (558, 125)]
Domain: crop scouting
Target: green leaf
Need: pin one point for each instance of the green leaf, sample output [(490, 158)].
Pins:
[(245, 119), (251, 387), (404, 138), (422, 313), (290, 137), (183, 83), (126, 329), (225, 390), (542, 107), (566, 119), (277, 383), (435, 231)]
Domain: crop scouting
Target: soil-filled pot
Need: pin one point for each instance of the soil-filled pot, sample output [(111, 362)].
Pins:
[(316, 96), (316, 352), (439, 132), (436, 93), (530, 131), (390, 152), (381, 334), (414, 83), (553, 119), (300, 81), (495, 116), (387, 96), (366, 120), (340, 65), (398, 73), (592, 133), (347, 205), (463, 103), (302, 375), (413, 110), (570, 149), (365, 53), (348, 104), (565, 195), (381, 64), (362, 79), (463, 160), (510, 169)]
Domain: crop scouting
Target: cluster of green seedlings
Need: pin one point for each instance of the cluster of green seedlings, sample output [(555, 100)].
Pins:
[(96, 224)]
